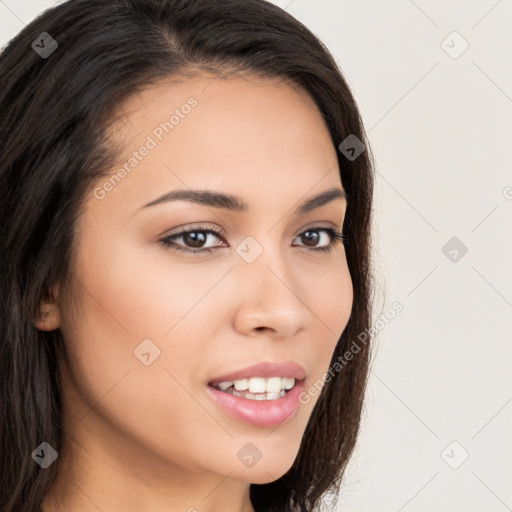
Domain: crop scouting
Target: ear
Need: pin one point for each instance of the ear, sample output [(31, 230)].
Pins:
[(49, 317)]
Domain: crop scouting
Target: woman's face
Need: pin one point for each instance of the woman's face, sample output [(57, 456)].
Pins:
[(148, 327)]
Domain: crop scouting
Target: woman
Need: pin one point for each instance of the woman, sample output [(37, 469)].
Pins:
[(186, 204)]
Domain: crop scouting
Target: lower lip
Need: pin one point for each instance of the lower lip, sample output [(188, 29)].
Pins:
[(261, 413)]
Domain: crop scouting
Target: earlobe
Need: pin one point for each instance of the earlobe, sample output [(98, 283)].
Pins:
[(48, 318)]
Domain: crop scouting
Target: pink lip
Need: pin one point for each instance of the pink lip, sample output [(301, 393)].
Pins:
[(265, 369), (261, 413)]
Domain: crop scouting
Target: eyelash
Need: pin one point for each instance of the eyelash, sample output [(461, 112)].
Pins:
[(167, 241)]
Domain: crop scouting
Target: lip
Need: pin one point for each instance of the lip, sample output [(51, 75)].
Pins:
[(264, 369), (261, 413)]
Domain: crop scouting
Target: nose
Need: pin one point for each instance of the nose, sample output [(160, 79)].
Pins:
[(271, 297)]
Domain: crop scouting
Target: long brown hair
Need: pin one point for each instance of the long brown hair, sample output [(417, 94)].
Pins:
[(55, 109)]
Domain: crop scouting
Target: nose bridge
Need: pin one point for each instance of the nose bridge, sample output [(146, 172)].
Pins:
[(262, 263)]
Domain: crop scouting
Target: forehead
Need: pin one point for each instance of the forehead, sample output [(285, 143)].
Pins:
[(242, 134), (208, 108)]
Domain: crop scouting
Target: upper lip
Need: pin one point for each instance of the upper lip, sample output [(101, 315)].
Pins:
[(264, 369)]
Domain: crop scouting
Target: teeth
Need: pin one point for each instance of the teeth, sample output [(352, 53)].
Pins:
[(273, 385), (259, 396), (256, 385), (241, 385), (258, 388), (288, 382), (225, 385)]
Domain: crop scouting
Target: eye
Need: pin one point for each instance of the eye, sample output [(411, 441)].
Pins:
[(312, 236), (194, 236), (194, 239)]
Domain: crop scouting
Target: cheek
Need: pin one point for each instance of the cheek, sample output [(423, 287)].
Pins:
[(330, 302), (140, 292), (127, 295), (330, 293), (135, 301), (335, 297), (123, 301)]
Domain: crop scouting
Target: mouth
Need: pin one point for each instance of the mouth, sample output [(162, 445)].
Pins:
[(257, 388), (258, 408), (265, 394)]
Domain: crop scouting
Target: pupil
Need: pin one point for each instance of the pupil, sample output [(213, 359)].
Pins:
[(314, 239), (197, 238)]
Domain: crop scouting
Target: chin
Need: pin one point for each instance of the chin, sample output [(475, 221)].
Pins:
[(264, 473)]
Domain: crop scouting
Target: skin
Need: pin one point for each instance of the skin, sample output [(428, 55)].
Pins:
[(149, 437)]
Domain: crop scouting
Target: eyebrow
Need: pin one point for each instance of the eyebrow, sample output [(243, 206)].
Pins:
[(236, 204)]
